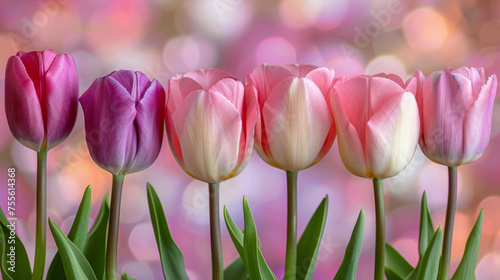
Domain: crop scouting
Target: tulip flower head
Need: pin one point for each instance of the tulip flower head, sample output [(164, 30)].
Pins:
[(41, 98), (456, 107), (377, 125), (124, 121), (210, 123), (296, 128)]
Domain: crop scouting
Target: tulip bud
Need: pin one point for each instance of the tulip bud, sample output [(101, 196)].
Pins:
[(456, 107), (124, 121), (210, 122), (41, 95), (377, 125), (295, 129)]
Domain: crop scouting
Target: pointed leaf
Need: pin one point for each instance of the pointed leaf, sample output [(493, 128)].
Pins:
[(21, 268), (125, 276), (467, 266), (310, 241), (77, 234), (430, 261), (426, 230), (396, 267), (237, 237), (347, 270), (172, 261), (76, 266), (95, 245), (236, 270), (251, 244)]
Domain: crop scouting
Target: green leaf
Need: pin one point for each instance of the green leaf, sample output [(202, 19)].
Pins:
[(172, 261), (396, 267), (467, 266), (76, 266), (237, 237), (236, 270), (77, 234), (95, 245), (251, 243), (125, 276), (347, 270), (310, 241), (426, 230), (429, 265), (21, 265)]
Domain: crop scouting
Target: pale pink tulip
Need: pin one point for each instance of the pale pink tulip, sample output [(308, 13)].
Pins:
[(456, 107), (377, 125), (210, 120), (296, 127)]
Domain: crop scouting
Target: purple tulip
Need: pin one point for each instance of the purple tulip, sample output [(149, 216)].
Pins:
[(41, 93), (124, 121)]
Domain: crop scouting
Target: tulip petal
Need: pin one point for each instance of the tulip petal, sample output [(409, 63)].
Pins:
[(350, 146), (179, 88), (249, 116), (391, 136), (209, 130), (300, 70), (297, 121), (446, 98), (207, 78), (477, 124), (323, 78), (22, 106), (61, 86), (134, 82), (149, 127), (232, 90), (265, 77), (393, 77), (37, 63), (111, 131)]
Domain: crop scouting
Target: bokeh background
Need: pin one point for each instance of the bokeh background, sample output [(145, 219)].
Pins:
[(164, 37)]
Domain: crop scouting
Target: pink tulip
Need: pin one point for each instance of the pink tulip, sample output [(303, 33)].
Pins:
[(210, 122), (456, 107), (41, 96), (377, 124), (124, 121), (296, 127)]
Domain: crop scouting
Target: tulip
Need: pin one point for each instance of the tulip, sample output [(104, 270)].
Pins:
[(378, 127), (124, 131), (210, 120), (41, 92), (295, 129), (456, 107)]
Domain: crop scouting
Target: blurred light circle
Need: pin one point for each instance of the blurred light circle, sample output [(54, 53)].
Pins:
[(331, 13), (220, 18), (386, 64), (491, 208), (195, 203), (298, 14), (142, 242), (275, 50), (434, 181), (488, 268), (184, 54), (133, 203), (425, 29)]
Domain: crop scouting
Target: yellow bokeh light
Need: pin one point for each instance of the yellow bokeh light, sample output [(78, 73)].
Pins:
[(425, 29)]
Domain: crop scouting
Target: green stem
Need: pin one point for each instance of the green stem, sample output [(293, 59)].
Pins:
[(215, 235), (41, 215), (378, 189), (113, 227), (291, 226), (444, 265)]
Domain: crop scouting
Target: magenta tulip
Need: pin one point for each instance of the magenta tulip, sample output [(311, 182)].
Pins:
[(456, 107), (210, 122), (377, 124), (124, 121), (41, 97), (296, 128)]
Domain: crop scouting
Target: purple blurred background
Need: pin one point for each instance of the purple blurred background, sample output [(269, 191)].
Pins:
[(163, 37)]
